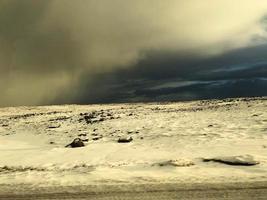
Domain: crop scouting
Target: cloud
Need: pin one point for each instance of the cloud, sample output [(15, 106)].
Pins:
[(47, 46), (166, 77)]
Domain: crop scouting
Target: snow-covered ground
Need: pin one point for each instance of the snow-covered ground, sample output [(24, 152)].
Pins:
[(33, 140)]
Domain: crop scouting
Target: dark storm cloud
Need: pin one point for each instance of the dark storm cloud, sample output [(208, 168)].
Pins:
[(238, 73), (58, 51)]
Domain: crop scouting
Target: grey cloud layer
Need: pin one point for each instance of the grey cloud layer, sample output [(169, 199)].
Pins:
[(167, 76), (47, 46)]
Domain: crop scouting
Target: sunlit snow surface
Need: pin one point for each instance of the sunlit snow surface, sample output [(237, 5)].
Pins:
[(33, 139)]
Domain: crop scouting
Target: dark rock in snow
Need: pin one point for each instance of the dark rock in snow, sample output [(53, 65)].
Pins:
[(77, 142), (97, 138), (89, 116), (246, 160), (82, 134), (54, 126), (125, 139), (175, 163)]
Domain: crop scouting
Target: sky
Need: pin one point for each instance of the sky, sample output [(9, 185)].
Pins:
[(102, 51)]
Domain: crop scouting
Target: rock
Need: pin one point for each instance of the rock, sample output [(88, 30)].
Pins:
[(89, 121), (97, 138), (125, 139), (175, 163), (52, 126), (94, 121), (89, 116), (245, 160), (77, 142), (82, 134)]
